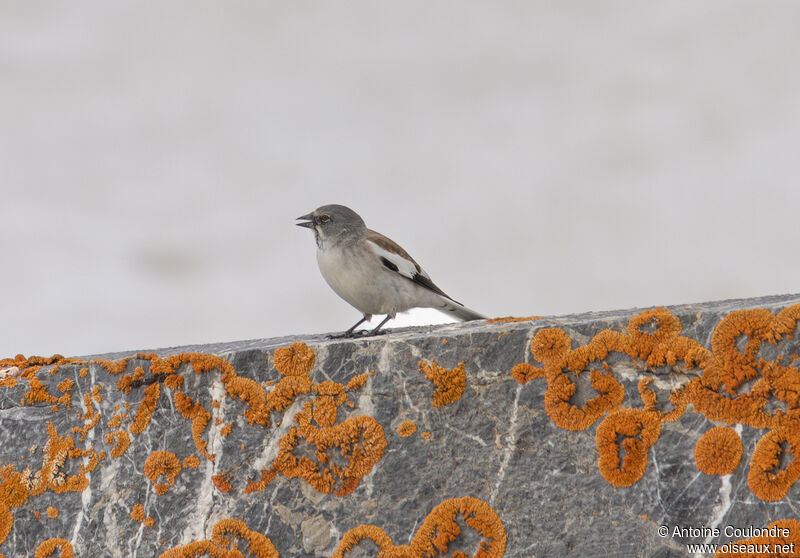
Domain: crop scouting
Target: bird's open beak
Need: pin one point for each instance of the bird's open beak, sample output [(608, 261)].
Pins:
[(309, 221)]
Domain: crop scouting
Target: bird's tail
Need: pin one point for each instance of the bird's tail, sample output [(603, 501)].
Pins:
[(459, 311)]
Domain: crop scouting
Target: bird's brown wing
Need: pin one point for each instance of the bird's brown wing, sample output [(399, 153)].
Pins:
[(394, 258)]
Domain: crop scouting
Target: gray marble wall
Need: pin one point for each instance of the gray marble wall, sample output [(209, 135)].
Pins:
[(629, 433)]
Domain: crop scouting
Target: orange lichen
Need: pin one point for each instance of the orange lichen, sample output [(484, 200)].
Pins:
[(65, 385), (48, 547), (116, 420), (83, 372), (112, 366), (222, 482), (267, 476), (144, 412), (344, 452), (51, 512), (253, 394), (718, 451), (524, 372), (200, 363), (406, 429), (127, 382), (736, 386), (426, 435), (199, 417), (361, 441), (162, 463), (173, 381), (769, 479), (56, 451), (367, 532), (295, 360), (722, 392), (90, 418), (286, 391), (225, 430), (440, 529), (357, 382), (13, 489), (450, 384), (630, 432), (678, 399), (782, 538), (38, 393), (137, 514), (121, 441), (552, 347), (6, 521), (330, 396), (94, 460), (561, 389), (222, 544), (191, 462)]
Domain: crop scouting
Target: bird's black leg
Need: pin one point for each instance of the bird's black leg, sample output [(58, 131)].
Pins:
[(350, 331), (380, 325)]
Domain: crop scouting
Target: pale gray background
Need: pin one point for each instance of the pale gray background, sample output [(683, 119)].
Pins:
[(535, 157)]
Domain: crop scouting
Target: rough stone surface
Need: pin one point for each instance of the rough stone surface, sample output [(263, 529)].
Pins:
[(496, 443)]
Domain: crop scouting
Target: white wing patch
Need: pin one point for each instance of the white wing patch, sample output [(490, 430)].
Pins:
[(401, 265), (405, 267)]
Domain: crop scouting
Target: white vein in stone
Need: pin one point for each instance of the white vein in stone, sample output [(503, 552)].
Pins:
[(366, 404), (658, 479), (271, 448), (204, 500), (217, 413), (511, 445), (383, 360), (86, 494), (139, 533), (724, 504), (466, 435), (408, 398)]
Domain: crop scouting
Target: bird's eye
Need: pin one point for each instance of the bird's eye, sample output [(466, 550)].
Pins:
[(325, 218)]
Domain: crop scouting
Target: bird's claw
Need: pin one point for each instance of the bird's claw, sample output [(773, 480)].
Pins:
[(357, 333), (348, 334)]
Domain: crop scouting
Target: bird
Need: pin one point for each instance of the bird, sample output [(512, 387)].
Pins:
[(372, 272)]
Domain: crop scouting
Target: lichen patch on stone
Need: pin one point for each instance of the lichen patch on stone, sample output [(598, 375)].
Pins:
[(437, 532), (406, 429), (653, 338), (450, 383)]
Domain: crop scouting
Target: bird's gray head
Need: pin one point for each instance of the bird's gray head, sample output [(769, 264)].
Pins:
[(333, 224)]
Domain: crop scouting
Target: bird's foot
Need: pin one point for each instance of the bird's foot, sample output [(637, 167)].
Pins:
[(349, 334)]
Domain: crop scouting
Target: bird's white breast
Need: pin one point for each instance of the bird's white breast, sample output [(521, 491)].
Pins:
[(357, 275), (349, 280)]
